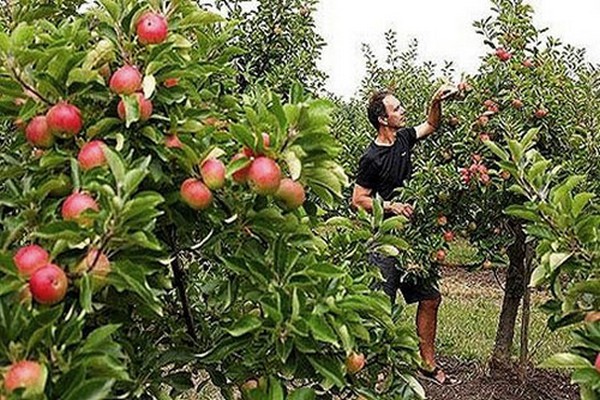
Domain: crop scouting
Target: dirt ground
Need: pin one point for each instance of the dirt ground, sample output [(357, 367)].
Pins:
[(476, 381)]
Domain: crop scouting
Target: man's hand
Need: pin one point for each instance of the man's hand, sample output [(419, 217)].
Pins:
[(445, 92), (400, 209)]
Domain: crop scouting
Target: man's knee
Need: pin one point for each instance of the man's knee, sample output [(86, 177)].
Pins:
[(433, 303)]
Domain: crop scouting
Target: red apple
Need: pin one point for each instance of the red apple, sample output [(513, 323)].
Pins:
[(592, 316), (213, 173), (195, 194), (173, 142), (241, 175), (291, 193), (464, 86), (484, 137), (483, 120), (38, 134), (502, 54), (30, 258), (64, 120), (144, 107), (97, 265), (28, 375), (76, 204), (484, 178), (171, 82), (125, 80), (528, 63), (448, 236), (597, 363), (517, 104), (48, 284), (152, 28), (264, 176), (355, 362), (440, 255), (505, 175), (442, 220), (541, 113), (92, 155)]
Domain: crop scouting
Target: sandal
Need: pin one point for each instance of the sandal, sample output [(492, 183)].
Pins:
[(432, 376)]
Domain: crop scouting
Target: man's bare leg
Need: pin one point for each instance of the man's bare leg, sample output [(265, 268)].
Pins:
[(426, 330)]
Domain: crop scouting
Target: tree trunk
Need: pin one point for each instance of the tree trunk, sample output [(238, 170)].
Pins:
[(516, 281)]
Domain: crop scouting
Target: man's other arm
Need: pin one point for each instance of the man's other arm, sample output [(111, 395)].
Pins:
[(361, 198)]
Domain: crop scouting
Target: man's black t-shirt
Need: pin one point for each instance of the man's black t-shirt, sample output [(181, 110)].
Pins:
[(385, 168)]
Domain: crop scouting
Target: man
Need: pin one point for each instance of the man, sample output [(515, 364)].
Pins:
[(383, 168)]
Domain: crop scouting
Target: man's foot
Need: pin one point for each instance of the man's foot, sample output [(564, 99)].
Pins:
[(438, 376)]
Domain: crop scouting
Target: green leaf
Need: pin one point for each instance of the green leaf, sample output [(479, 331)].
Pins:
[(501, 154), (558, 259), (325, 270), (199, 18), (91, 389), (246, 324), (515, 149), (302, 394), (566, 360), (388, 250), (148, 86), (85, 293), (294, 164), (321, 330), (132, 180), (529, 138), (329, 368), (97, 339), (537, 169), (580, 201), (116, 165), (80, 75), (522, 212), (396, 222)]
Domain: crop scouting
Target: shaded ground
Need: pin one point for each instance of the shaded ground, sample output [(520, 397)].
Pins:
[(478, 384), (468, 289)]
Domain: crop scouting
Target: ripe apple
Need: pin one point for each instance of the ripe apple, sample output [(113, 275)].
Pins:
[(291, 193), (195, 194), (483, 120), (171, 82), (476, 158), (541, 113), (266, 142), (442, 220), (48, 284), (213, 173), (125, 80), (484, 137), (487, 264), (502, 54), (75, 205), (91, 155), (505, 175), (241, 175), (448, 236), (528, 63), (144, 107), (592, 316), (484, 178), (30, 258), (64, 120), (38, 134), (264, 176), (440, 255), (152, 28), (355, 362), (173, 142), (517, 104), (597, 363), (28, 375), (464, 86), (97, 265)]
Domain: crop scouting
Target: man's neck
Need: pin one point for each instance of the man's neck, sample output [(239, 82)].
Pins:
[(386, 136)]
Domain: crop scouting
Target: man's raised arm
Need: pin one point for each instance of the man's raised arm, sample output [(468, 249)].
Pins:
[(434, 115)]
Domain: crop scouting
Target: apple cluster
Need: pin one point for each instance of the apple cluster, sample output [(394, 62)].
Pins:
[(261, 173), (477, 170)]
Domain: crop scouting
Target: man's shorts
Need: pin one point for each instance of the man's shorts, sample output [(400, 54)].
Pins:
[(393, 275)]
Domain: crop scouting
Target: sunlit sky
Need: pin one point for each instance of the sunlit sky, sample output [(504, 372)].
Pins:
[(442, 27)]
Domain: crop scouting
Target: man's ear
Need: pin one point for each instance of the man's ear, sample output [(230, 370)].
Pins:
[(383, 121)]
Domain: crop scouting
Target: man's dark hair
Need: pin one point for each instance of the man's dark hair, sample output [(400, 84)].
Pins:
[(376, 107)]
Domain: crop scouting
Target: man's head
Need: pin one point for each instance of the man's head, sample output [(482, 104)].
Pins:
[(385, 110)]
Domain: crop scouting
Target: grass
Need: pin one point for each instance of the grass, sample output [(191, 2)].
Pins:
[(468, 319)]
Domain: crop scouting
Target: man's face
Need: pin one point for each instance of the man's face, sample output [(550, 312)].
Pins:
[(395, 112)]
